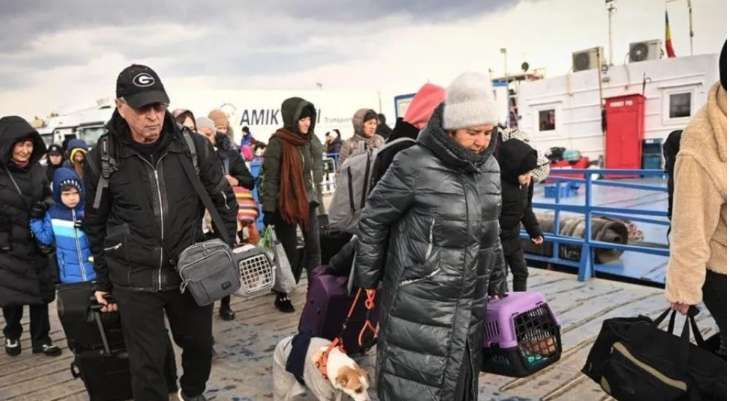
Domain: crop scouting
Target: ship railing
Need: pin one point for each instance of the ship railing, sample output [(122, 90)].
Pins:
[(586, 264)]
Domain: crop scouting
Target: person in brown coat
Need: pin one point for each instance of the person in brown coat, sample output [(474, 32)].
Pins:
[(697, 270)]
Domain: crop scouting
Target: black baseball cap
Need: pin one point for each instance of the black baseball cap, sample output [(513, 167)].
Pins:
[(140, 86), (55, 150)]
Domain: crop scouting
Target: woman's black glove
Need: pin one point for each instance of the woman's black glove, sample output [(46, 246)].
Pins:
[(38, 210)]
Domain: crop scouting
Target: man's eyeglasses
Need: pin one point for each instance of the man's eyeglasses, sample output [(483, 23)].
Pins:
[(157, 107)]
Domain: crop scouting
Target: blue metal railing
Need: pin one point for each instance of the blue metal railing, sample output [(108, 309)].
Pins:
[(586, 267)]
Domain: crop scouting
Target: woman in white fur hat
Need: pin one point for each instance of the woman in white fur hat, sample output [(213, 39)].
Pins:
[(430, 233)]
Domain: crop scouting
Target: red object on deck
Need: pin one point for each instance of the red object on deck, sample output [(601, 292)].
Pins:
[(624, 133), (557, 167)]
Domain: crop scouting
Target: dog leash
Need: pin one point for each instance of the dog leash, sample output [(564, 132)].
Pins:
[(337, 342)]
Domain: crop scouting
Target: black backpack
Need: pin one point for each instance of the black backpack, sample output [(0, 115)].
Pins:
[(670, 149), (108, 154)]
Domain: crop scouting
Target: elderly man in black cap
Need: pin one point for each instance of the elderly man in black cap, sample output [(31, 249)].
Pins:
[(148, 212)]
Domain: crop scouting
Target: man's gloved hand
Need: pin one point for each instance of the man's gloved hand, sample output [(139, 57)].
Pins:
[(38, 210), (268, 219), (79, 223)]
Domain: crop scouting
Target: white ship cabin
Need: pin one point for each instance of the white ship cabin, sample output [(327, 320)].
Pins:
[(566, 111)]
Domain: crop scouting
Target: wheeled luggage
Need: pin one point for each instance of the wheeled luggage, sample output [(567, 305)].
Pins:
[(522, 335), (326, 309), (100, 355)]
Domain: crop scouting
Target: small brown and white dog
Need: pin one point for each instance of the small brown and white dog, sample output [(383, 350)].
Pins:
[(344, 375)]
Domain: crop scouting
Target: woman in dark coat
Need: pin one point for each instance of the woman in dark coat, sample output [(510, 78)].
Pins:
[(290, 174), (25, 277), (439, 204)]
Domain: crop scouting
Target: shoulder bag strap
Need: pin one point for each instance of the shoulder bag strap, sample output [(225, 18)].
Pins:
[(190, 171), (17, 188), (15, 183)]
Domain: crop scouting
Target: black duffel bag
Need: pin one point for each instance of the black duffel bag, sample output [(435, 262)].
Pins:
[(633, 360)]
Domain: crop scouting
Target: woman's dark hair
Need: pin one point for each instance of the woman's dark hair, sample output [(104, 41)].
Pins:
[(181, 117)]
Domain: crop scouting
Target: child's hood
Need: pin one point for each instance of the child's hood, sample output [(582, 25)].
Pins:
[(64, 176), (516, 158), (76, 146)]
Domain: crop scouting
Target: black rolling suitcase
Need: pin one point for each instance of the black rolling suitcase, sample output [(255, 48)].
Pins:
[(100, 355)]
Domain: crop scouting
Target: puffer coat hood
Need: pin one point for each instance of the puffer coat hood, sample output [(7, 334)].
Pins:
[(354, 142), (436, 212), (12, 130), (292, 110)]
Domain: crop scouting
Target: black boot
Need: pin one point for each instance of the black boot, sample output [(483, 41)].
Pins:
[(283, 303), (225, 311)]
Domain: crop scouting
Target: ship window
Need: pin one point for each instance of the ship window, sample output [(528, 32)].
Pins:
[(546, 119), (680, 105)]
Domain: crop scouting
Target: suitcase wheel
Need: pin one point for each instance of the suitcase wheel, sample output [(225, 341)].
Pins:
[(74, 371)]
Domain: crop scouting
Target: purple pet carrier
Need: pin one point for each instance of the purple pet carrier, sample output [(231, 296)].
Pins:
[(522, 335)]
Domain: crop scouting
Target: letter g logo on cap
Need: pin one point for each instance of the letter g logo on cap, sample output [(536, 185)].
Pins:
[(143, 80)]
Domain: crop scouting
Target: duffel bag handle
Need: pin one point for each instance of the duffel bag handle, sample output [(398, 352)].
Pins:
[(689, 323)]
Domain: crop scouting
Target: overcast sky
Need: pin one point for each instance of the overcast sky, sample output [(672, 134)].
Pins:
[(55, 53)]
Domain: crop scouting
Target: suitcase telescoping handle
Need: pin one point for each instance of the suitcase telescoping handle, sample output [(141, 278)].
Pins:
[(96, 312)]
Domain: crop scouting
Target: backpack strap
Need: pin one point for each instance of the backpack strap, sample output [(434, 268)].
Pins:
[(108, 166), (188, 136)]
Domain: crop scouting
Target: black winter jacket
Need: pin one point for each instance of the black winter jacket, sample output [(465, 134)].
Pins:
[(150, 212), (236, 165), (515, 158), (439, 205), (50, 169), (516, 208), (670, 149), (25, 278), (385, 156)]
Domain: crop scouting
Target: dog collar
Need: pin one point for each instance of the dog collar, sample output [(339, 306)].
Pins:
[(322, 362)]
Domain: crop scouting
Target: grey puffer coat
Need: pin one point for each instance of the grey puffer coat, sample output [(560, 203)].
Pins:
[(439, 206)]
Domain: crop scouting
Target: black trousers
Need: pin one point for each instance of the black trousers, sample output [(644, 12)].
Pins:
[(40, 325), (518, 266), (143, 322), (287, 235), (226, 302), (714, 295)]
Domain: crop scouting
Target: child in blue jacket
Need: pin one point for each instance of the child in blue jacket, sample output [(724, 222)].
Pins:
[(62, 226)]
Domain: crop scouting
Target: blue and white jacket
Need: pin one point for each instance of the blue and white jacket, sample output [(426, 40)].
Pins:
[(58, 227)]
